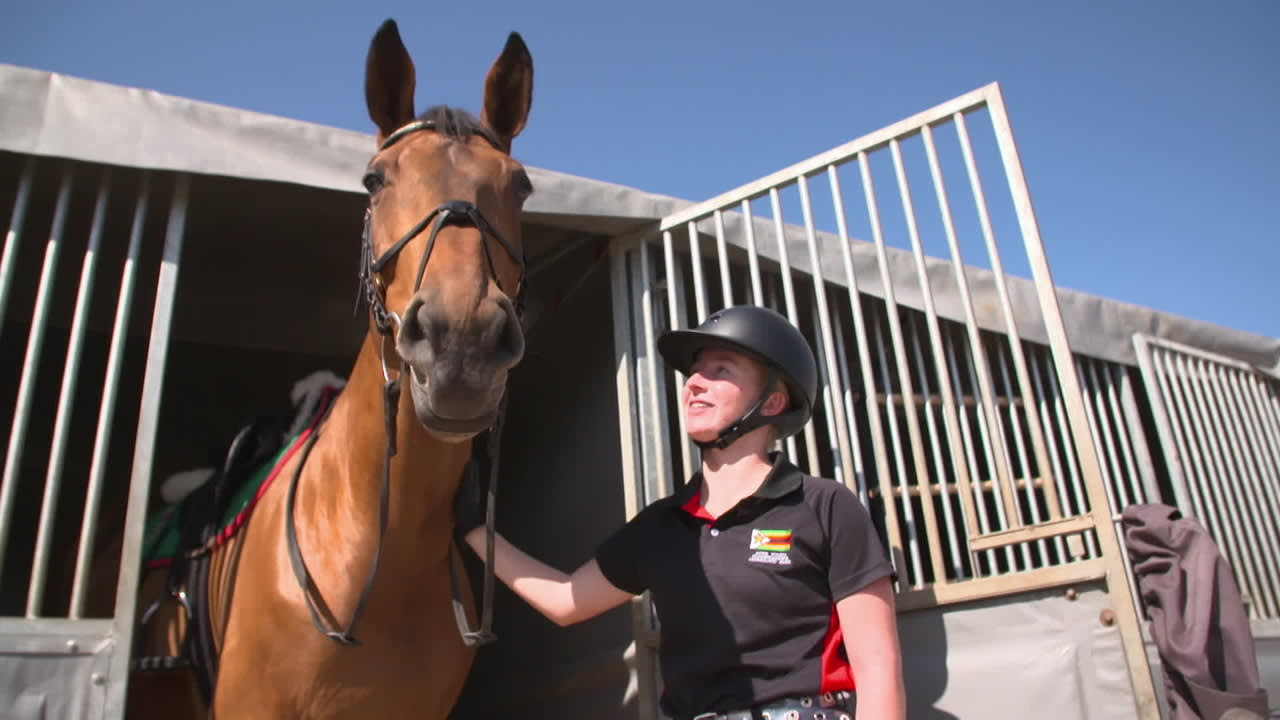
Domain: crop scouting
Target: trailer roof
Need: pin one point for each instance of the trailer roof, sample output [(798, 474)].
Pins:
[(54, 115)]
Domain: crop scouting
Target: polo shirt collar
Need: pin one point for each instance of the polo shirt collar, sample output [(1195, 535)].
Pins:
[(784, 478)]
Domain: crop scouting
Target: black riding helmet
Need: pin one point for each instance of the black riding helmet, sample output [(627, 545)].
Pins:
[(766, 336)]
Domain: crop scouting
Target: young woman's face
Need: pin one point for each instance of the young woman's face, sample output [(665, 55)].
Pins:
[(722, 385)]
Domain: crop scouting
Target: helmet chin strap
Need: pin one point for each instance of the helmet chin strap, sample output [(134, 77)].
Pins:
[(750, 420)]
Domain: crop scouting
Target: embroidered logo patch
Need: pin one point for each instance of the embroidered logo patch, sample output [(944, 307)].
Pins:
[(770, 546)]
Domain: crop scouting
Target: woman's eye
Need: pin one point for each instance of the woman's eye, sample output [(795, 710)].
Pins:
[(372, 182)]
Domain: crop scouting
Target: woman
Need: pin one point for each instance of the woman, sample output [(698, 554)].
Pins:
[(772, 589)]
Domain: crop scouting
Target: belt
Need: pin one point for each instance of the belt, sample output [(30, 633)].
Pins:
[(827, 706)]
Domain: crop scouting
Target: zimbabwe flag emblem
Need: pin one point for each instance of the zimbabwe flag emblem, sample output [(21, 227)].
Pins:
[(771, 540)]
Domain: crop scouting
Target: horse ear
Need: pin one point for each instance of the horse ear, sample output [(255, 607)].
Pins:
[(388, 81), (508, 90)]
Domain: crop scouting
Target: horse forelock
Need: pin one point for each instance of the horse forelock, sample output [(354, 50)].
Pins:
[(458, 123)]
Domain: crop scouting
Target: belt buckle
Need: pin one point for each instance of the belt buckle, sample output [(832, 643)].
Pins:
[(706, 716)]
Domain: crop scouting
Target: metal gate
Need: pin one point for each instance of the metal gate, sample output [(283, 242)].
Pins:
[(67, 362), (1219, 422), (949, 398)]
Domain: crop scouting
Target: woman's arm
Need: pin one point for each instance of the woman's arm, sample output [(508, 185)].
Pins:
[(563, 599), (870, 626)]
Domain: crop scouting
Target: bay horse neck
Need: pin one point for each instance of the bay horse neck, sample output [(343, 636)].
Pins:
[(424, 473)]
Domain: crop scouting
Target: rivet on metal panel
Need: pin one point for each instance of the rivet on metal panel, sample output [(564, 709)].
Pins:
[(1072, 594), (97, 678), (72, 647), (1107, 617)]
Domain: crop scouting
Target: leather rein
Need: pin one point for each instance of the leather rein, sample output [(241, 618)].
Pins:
[(388, 324)]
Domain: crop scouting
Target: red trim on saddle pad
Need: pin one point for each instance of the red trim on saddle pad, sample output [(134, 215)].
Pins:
[(242, 517)]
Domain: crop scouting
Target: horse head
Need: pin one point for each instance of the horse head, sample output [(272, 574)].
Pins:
[(443, 257)]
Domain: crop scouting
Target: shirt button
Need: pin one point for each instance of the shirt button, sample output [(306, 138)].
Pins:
[(714, 532)]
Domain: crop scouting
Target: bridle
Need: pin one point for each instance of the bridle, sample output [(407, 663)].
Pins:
[(388, 324)]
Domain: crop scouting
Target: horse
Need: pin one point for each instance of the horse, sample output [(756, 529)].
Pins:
[(333, 599)]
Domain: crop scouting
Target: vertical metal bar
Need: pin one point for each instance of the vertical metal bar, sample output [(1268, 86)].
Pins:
[(792, 311), (624, 339), (1006, 504), (971, 460), (656, 396), (949, 413), (695, 262), (884, 477), (836, 389), (1159, 398), (62, 418), (1133, 419), (916, 576), (849, 409), (677, 312), (14, 234), (1105, 379), (726, 287), (31, 361), (1112, 550), (830, 407), (1191, 465), (1262, 438), (772, 301), (1003, 468), (900, 354), (1015, 427), (144, 446), (753, 257), (931, 425), (1068, 451), (107, 408), (1097, 413), (1046, 421)]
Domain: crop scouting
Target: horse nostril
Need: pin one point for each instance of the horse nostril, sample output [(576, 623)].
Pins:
[(422, 323), (510, 345)]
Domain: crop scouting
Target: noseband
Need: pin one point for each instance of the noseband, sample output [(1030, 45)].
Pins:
[(453, 212)]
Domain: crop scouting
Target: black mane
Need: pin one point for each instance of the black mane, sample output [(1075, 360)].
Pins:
[(458, 123)]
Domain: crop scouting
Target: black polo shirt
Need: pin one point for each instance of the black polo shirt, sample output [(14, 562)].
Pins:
[(746, 602)]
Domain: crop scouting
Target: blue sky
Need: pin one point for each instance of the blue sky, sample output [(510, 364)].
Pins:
[(1146, 129)]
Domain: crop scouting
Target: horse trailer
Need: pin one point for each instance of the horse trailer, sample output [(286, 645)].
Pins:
[(171, 268)]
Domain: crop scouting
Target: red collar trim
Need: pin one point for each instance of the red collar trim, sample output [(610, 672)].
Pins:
[(694, 507)]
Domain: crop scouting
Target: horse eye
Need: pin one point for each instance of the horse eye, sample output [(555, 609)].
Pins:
[(373, 181)]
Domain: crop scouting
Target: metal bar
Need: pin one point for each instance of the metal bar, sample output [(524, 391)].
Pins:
[(972, 461), (913, 541), (1003, 468), (107, 408), (902, 129), (753, 257), (1111, 473), (1158, 397), (835, 386), (1033, 508), (1127, 619), (1133, 420), (848, 407), (962, 283), (14, 234), (993, 587), (1033, 533), (1191, 465), (904, 373), (1068, 451), (830, 408), (677, 312), (1061, 478), (695, 264), (144, 446), (726, 286), (884, 478), (657, 405), (31, 360), (1263, 439), (931, 425), (792, 312), (62, 418), (1106, 383), (772, 301)]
